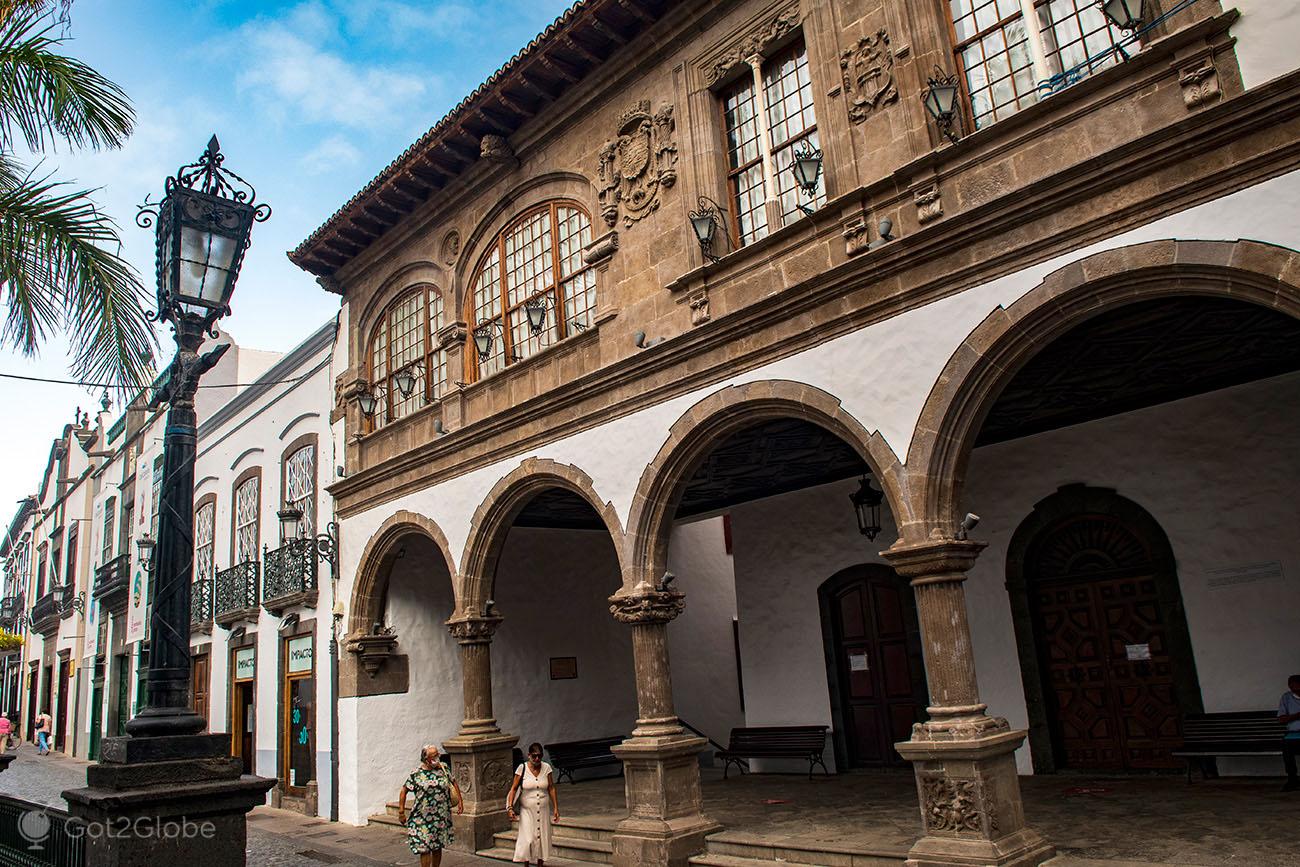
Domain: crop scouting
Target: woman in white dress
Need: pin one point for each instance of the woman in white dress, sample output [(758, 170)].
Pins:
[(535, 784)]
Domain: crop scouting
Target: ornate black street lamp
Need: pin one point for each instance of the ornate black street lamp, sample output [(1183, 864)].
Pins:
[(866, 504), (705, 223), (806, 166), (535, 307), (940, 98), (1126, 15), (203, 224)]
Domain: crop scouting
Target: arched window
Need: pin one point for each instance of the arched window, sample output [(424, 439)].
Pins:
[(402, 351), (537, 258)]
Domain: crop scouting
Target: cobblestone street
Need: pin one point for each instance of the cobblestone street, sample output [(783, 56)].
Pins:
[(276, 838)]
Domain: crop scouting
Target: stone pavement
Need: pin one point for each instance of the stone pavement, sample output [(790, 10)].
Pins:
[(276, 838)]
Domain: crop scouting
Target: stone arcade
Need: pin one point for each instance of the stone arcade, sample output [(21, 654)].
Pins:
[(1080, 322)]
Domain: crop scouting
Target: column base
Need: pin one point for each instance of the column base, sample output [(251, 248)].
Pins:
[(969, 791), (483, 765), (665, 823), (148, 810)]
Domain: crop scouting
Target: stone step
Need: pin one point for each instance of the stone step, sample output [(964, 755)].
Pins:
[(749, 848), (385, 818), (501, 853), (572, 848)]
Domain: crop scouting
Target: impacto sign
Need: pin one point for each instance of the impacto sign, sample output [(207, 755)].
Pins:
[(300, 654), (245, 663)]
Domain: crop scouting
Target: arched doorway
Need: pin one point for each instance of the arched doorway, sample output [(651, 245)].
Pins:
[(873, 664), (1105, 651)]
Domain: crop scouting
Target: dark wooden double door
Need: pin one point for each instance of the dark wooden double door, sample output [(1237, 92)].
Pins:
[(874, 650), (1107, 668)]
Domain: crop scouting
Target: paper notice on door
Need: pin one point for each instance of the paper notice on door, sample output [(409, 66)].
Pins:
[(858, 662), (1137, 651)]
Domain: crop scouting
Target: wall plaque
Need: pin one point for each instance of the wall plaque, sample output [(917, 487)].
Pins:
[(564, 667)]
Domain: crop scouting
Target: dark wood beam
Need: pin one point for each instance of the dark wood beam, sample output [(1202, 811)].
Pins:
[(330, 258), (339, 245), (488, 116), (429, 173), (401, 200), (607, 30), (514, 105), (354, 233), (369, 224), (465, 153), (384, 214), (407, 182), (560, 67), (534, 82), (590, 56), (637, 11)]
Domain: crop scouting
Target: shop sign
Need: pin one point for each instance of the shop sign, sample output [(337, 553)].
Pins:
[(245, 663), (300, 654)]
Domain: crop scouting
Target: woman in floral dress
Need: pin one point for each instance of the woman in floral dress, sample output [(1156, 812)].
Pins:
[(429, 829)]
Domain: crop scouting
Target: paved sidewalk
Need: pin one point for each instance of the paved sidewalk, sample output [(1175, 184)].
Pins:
[(276, 838)]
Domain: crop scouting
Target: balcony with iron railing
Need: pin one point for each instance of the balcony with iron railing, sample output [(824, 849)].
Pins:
[(201, 605), (235, 592), (45, 614), (289, 575), (112, 582)]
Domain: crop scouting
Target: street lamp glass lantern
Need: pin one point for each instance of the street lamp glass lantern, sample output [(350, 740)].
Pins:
[(290, 523), (866, 504), (405, 381), (704, 225), (807, 168), (941, 97), (1124, 14), (483, 341), (536, 310), (145, 545), (368, 403)]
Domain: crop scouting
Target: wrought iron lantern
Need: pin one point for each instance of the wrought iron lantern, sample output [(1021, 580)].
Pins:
[(203, 226), (8, 608), (484, 336), (290, 523), (940, 98), (405, 381), (367, 402), (807, 170), (145, 545), (64, 601), (535, 307), (1125, 14), (866, 503), (705, 224)]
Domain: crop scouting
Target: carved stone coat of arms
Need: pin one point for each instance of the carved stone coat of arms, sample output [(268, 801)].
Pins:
[(868, 71), (637, 165)]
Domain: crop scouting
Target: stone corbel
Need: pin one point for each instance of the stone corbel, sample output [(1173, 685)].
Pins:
[(496, 149), (699, 303), (601, 250), (452, 334), (645, 604), (373, 649), (857, 236), (929, 203), (1199, 80)]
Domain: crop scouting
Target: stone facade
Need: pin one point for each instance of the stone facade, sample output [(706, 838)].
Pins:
[(1133, 184)]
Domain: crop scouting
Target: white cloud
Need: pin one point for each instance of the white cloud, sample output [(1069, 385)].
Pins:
[(403, 23), (330, 155)]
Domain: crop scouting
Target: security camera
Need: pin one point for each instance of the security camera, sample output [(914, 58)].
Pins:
[(968, 523)]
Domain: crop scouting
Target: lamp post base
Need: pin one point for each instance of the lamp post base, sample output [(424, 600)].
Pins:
[(165, 721), (166, 800)]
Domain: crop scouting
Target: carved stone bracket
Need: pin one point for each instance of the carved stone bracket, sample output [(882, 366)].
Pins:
[(638, 164), (599, 251), (955, 806), (474, 630), (699, 302), (935, 559), (647, 605), (929, 204), (374, 649), (857, 237), (755, 43), (450, 334), (868, 73), (1200, 83), (496, 149)]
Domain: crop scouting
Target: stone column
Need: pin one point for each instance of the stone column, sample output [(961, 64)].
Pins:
[(964, 759), (665, 823), (481, 756)]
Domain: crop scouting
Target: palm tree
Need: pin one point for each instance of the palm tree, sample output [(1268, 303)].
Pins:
[(57, 270)]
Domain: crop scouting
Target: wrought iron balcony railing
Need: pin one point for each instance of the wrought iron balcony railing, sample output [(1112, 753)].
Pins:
[(45, 614), (234, 595), (289, 575), (112, 581), (201, 605)]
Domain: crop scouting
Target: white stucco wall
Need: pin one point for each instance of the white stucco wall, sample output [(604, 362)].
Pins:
[(1267, 34)]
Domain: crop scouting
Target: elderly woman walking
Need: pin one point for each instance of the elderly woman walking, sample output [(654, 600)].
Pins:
[(429, 829), (539, 807)]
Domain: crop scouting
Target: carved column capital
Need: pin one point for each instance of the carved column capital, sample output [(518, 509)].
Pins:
[(646, 605), (934, 560), (473, 630)]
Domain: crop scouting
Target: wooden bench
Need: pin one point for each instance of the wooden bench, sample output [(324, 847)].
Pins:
[(775, 742), (1207, 736), (573, 755)]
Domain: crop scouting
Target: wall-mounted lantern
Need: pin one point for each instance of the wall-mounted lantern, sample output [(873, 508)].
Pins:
[(807, 170), (535, 307), (705, 223), (405, 381), (145, 545), (940, 98), (866, 504), (1125, 14)]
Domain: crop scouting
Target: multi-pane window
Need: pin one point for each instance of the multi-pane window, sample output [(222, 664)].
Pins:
[(70, 567), (300, 486), (1008, 65), (536, 260), (110, 515), (768, 115), (156, 500), (404, 342), (205, 525), (41, 563), (128, 515), (246, 535)]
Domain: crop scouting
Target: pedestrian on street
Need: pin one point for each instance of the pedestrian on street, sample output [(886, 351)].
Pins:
[(1288, 712), (6, 731), (429, 830), (539, 807), (43, 723)]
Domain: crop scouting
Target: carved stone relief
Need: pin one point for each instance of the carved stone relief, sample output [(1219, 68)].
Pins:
[(637, 165), (699, 307), (783, 24), (496, 149), (450, 247), (856, 236), (929, 204), (956, 806), (1200, 83), (647, 605), (495, 778), (464, 777), (868, 71)]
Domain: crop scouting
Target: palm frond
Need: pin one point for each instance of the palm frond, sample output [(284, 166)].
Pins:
[(46, 96), (56, 272)]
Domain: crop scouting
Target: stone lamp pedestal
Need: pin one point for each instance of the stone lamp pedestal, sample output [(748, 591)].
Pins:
[(177, 799)]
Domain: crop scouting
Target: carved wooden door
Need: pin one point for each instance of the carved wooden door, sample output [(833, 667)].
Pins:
[(880, 675), (1105, 656)]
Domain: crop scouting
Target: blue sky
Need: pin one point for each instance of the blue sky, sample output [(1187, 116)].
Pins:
[(310, 101)]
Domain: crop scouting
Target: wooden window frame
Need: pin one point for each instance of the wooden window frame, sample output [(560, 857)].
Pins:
[(431, 352), (473, 365), (306, 628), (240, 480), (109, 529), (209, 499), (311, 441)]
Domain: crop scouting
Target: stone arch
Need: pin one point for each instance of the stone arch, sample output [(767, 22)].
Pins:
[(1067, 502), (717, 416), (367, 603), (495, 515), (407, 276), (980, 368)]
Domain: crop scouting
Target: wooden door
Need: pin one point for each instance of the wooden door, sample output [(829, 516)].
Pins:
[(242, 723), (61, 721), (299, 733), (199, 684), (122, 686), (1106, 662), (877, 665)]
